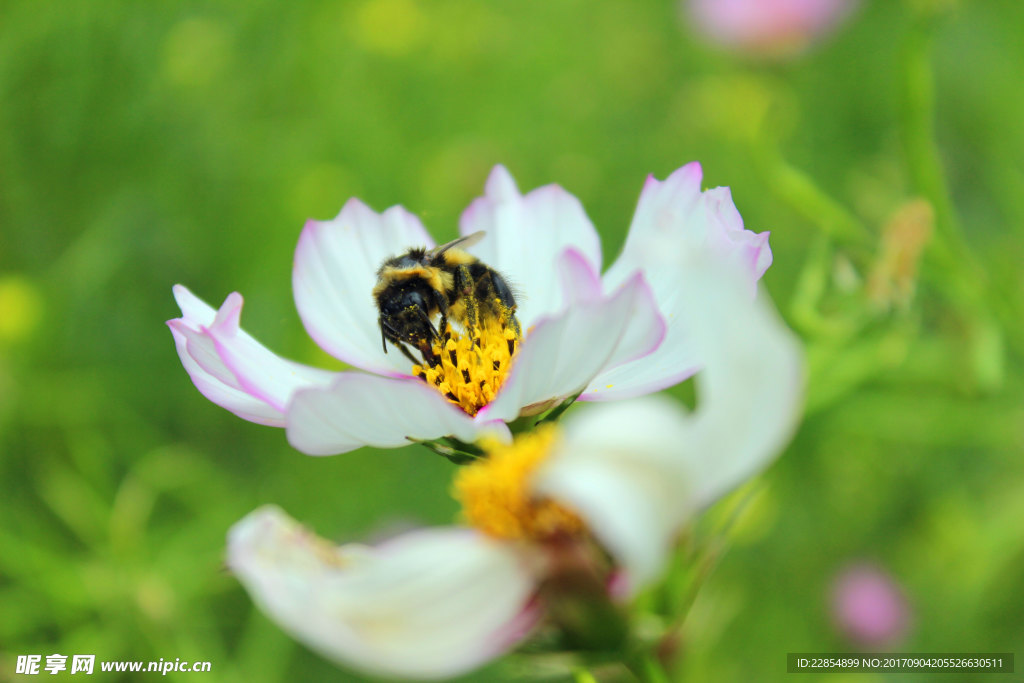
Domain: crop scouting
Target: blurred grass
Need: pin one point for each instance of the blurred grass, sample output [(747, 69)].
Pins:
[(147, 144)]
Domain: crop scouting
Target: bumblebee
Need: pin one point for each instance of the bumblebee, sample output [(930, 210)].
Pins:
[(415, 287)]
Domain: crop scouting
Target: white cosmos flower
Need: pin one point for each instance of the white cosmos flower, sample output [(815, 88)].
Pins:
[(438, 602), (614, 336)]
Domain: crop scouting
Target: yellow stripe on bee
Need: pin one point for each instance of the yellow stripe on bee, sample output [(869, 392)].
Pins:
[(437, 279), (458, 257)]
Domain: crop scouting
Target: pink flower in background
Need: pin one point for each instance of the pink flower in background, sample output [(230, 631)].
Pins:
[(868, 606), (769, 27)]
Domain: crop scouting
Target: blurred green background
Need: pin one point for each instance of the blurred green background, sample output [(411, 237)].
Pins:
[(145, 144)]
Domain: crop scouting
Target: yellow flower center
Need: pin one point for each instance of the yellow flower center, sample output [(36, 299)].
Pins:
[(496, 497), (469, 370)]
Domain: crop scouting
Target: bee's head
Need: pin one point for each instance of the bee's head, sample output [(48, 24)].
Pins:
[(406, 308)]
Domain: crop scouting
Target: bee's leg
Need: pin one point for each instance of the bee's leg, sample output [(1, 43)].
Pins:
[(472, 317), (513, 322), (383, 337), (503, 293), (442, 328), (425, 319), (408, 354), (465, 286)]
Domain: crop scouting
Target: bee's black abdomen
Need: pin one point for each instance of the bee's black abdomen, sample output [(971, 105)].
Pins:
[(503, 291), (494, 294)]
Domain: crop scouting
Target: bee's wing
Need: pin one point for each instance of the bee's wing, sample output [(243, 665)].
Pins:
[(462, 242)]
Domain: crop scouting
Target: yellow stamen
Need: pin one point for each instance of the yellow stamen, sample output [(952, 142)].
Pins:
[(495, 492), (469, 369)]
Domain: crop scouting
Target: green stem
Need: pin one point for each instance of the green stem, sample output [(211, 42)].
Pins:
[(463, 447), (557, 411), (924, 164), (918, 132), (961, 278), (456, 455), (802, 194), (648, 669)]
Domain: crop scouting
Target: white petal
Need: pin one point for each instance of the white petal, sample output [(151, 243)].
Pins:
[(525, 237), (432, 603), (618, 466), (635, 470), (671, 362), (231, 368), (750, 249), (674, 218), (226, 396), (750, 391), (335, 270), (676, 222), (565, 352), (661, 225), (643, 336), (367, 410), (581, 282)]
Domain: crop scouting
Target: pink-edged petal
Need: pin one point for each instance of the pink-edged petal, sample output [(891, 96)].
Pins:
[(674, 218), (368, 410), (335, 271), (565, 352), (237, 401), (676, 223), (526, 234), (728, 236), (618, 467), (750, 390), (645, 333), (581, 282), (671, 362), (635, 470), (258, 371), (231, 368), (431, 603), (660, 219)]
